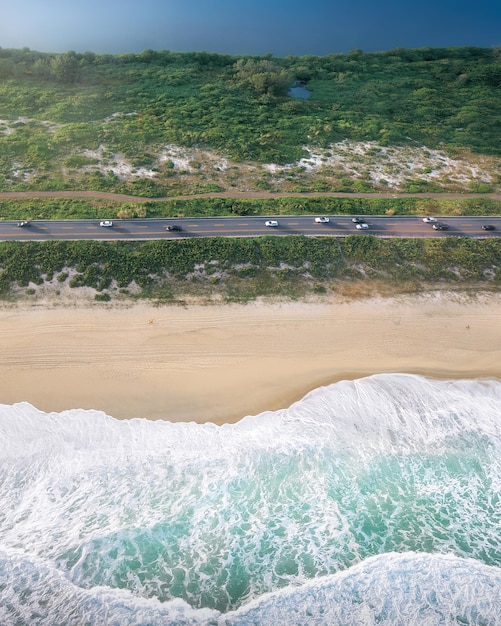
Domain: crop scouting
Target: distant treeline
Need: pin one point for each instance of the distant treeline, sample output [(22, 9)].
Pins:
[(239, 105), (241, 269)]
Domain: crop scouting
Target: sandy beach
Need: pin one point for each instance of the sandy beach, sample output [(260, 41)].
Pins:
[(220, 363)]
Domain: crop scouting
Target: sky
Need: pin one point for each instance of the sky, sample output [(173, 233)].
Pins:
[(256, 27)]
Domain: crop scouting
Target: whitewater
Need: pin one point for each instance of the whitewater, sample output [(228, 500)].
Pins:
[(374, 501)]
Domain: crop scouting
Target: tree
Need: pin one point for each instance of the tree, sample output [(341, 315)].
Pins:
[(264, 76), (65, 67)]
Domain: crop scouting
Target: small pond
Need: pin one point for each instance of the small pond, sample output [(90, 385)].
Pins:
[(299, 90)]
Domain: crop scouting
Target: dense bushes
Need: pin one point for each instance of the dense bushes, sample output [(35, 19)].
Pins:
[(66, 208), (270, 260), (239, 106)]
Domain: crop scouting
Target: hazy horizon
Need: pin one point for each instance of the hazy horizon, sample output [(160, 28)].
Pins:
[(275, 26)]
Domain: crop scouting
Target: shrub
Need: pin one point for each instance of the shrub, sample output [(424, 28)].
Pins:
[(102, 297)]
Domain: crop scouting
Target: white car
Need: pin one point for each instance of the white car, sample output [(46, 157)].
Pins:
[(321, 220), (106, 224), (429, 220), (362, 226), (272, 223)]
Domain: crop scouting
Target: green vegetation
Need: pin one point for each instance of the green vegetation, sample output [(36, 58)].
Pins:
[(66, 208), (243, 269), (310, 205), (54, 107), (65, 119)]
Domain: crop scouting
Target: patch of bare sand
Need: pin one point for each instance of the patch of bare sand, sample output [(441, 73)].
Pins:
[(220, 363)]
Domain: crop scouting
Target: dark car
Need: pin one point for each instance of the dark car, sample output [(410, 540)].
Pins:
[(357, 220), (23, 223), (488, 227), (173, 227), (440, 226)]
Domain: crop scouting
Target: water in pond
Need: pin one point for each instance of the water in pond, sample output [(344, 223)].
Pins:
[(299, 91)]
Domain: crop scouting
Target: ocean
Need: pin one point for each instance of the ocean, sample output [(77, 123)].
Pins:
[(374, 501)]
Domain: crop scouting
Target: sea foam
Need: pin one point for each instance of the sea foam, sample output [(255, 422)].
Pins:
[(389, 483)]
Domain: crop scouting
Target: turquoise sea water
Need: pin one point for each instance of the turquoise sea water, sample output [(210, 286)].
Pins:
[(375, 501)]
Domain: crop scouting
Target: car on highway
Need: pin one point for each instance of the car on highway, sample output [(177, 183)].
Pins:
[(23, 223), (488, 227), (362, 226), (106, 224), (358, 220), (322, 220), (173, 227), (271, 223), (429, 220), (440, 226)]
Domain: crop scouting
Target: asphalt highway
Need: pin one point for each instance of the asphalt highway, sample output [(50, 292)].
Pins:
[(338, 226)]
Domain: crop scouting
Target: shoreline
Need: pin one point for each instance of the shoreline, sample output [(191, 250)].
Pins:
[(219, 363)]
